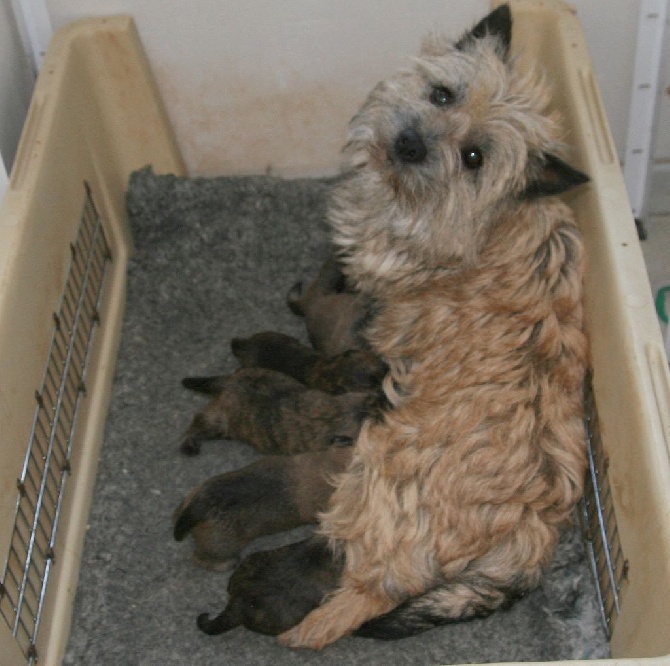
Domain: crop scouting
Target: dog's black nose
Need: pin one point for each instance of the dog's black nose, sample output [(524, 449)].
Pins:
[(409, 146)]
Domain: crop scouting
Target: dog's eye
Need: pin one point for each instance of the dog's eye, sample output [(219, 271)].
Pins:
[(472, 157), (441, 96)]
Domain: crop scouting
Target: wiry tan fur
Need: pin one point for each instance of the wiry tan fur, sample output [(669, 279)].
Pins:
[(456, 494)]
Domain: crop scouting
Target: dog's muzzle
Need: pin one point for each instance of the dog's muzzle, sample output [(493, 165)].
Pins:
[(409, 146)]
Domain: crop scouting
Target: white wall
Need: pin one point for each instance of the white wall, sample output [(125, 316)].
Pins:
[(283, 71), (16, 84), (291, 73), (659, 200)]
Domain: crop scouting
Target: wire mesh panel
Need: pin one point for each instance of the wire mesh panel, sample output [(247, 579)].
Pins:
[(41, 484), (599, 526)]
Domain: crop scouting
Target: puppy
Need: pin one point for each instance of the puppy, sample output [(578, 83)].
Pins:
[(271, 591), (333, 313), (354, 370), (273, 494), (272, 412)]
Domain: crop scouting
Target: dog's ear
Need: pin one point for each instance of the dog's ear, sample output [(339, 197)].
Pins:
[(498, 24), (552, 177), (435, 44)]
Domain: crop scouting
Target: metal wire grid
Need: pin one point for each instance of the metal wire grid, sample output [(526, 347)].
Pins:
[(601, 536), (46, 467)]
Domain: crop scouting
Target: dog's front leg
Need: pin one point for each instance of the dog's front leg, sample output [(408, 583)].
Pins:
[(342, 613)]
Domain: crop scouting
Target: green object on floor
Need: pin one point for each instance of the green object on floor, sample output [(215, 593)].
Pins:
[(660, 303)]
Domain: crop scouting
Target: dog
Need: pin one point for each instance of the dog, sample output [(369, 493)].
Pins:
[(448, 224), (272, 412), (334, 314), (275, 493), (353, 370), (451, 500)]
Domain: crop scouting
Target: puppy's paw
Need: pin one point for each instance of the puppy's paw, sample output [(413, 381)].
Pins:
[(223, 622), (293, 299), (221, 566), (190, 446), (341, 440)]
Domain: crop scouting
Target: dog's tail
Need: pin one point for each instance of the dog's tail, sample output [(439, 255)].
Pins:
[(449, 603), (209, 385), (225, 621)]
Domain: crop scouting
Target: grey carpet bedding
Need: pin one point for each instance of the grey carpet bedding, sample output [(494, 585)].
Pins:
[(214, 259)]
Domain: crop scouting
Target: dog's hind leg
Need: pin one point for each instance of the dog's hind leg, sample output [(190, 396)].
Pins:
[(381, 617), (343, 610), (274, 494)]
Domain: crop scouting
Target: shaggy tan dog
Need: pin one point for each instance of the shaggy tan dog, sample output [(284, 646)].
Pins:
[(447, 223)]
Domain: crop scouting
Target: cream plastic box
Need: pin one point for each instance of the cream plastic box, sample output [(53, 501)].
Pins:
[(95, 117)]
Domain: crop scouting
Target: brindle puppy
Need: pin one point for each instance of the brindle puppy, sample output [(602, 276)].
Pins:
[(273, 412), (271, 591), (333, 313), (275, 493), (352, 370)]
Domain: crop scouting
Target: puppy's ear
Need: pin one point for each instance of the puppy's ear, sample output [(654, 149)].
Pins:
[(498, 24), (553, 177)]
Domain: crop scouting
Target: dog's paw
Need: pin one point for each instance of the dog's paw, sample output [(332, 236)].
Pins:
[(319, 629), (290, 638), (337, 617), (210, 385), (305, 638)]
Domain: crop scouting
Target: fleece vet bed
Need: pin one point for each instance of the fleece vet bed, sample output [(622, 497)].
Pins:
[(214, 259)]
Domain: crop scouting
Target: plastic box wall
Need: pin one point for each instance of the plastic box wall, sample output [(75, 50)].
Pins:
[(95, 117)]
